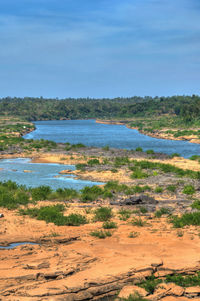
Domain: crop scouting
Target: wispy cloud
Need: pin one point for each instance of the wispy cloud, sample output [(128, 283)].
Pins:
[(99, 48)]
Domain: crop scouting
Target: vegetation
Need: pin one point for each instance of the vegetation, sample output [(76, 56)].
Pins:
[(103, 214), (101, 234), (109, 225), (162, 211), (150, 284), (187, 219), (189, 189)]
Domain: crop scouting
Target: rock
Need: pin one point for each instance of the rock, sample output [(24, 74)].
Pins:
[(1, 215), (28, 171), (66, 171), (192, 291), (132, 290), (167, 289)]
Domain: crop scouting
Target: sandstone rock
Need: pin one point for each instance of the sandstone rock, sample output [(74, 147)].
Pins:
[(192, 291), (132, 290), (66, 171), (167, 289)]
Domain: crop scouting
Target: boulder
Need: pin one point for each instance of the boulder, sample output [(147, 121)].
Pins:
[(132, 290)]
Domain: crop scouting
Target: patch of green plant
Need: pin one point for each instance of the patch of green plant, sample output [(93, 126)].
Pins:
[(120, 161), (184, 280), (189, 189), (93, 162), (135, 297), (139, 149), (133, 234), (81, 166), (103, 214), (162, 211), (150, 152), (89, 194), (124, 214), (187, 219), (63, 194), (40, 193), (150, 284), (171, 188), (106, 148), (175, 155), (143, 209), (139, 174), (109, 225), (195, 157), (138, 222), (158, 189), (101, 234), (196, 204)]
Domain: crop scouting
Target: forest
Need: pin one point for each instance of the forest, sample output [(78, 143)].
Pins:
[(32, 109)]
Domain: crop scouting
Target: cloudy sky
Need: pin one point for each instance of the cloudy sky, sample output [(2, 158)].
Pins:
[(99, 48)]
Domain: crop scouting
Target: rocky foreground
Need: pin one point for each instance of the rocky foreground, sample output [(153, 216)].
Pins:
[(69, 264)]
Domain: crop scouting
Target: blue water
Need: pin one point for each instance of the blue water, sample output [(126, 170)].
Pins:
[(91, 133), (42, 174), (16, 244)]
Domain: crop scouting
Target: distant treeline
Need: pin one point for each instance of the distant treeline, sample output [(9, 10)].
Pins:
[(187, 107)]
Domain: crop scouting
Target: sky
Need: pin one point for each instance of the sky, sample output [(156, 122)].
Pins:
[(99, 48)]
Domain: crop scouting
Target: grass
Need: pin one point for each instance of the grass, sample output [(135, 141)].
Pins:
[(162, 211), (138, 222), (54, 214), (101, 234), (103, 214), (196, 205), (171, 188), (150, 284), (133, 234), (184, 281), (158, 189), (189, 189), (187, 219), (124, 214), (109, 225)]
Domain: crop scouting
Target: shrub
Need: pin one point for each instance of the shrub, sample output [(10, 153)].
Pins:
[(186, 219), (184, 280), (196, 205), (124, 214), (109, 225), (189, 189), (81, 166), (162, 211), (143, 209), (91, 193), (75, 220), (133, 234), (92, 162), (139, 149), (139, 174), (158, 189), (106, 148), (150, 284), (138, 222), (103, 214), (150, 152), (175, 155), (40, 193), (101, 234), (171, 188)]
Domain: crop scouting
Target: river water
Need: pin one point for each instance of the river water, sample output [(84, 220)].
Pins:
[(91, 133), (40, 174)]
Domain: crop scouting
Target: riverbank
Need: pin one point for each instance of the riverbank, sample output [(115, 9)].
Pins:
[(165, 133)]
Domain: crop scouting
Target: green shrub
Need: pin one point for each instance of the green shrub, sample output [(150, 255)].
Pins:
[(120, 161), (40, 193), (162, 211), (143, 209), (186, 219), (101, 234), (196, 205), (109, 225), (75, 220), (150, 152), (139, 174), (81, 166), (175, 155), (150, 284), (184, 280), (139, 149), (195, 157), (158, 189), (138, 222), (89, 194), (124, 214), (103, 214), (106, 148), (189, 189), (93, 162), (171, 188)]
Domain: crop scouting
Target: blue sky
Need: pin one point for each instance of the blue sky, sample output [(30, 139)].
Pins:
[(99, 48)]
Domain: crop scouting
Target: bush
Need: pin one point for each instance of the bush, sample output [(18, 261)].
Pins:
[(139, 149), (162, 211), (189, 189), (103, 214), (75, 220), (81, 166), (196, 205), (138, 222), (91, 193), (171, 188), (109, 225), (184, 281), (93, 162), (40, 193), (150, 284), (158, 189), (101, 234), (139, 174), (150, 152), (124, 214), (186, 219)]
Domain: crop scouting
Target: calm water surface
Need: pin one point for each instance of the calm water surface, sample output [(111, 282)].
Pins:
[(91, 133), (41, 174)]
